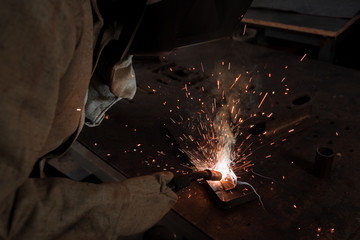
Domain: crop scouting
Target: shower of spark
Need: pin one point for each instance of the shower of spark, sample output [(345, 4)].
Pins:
[(217, 148), (216, 132), (220, 136)]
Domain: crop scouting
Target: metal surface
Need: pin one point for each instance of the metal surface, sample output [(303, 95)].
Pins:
[(134, 140), (298, 112)]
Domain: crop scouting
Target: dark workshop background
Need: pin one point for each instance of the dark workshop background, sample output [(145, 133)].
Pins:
[(324, 30)]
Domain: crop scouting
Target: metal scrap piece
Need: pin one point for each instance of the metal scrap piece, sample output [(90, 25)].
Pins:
[(228, 184)]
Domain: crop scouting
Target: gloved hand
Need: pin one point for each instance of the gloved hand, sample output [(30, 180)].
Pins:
[(148, 199)]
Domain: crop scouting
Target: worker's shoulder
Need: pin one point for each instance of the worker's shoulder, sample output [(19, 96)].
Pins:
[(43, 12)]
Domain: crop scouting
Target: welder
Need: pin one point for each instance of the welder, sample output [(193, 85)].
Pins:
[(58, 71)]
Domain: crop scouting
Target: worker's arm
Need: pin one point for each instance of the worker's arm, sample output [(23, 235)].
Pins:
[(38, 45), (60, 208)]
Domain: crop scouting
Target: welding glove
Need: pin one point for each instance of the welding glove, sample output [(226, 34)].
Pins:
[(148, 199)]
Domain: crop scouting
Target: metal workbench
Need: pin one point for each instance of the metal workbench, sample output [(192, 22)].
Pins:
[(134, 140)]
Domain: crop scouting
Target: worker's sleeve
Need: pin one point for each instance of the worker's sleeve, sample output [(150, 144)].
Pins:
[(60, 208), (37, 44)]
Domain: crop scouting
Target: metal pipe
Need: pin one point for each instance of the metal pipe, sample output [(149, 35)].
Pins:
[(323, 162)]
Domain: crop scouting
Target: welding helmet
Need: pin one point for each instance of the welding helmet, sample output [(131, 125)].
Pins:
[(152, 27)]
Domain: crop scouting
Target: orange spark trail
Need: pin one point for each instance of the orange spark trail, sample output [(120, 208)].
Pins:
[(263, 99), (236, 79), (303, 57), (244, 30)]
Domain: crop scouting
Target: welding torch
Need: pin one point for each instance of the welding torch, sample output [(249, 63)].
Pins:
[(182, 181)]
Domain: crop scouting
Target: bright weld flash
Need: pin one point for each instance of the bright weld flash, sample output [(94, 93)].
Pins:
[(223, 165)]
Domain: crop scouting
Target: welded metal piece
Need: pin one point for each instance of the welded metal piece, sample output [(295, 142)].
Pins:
[(228, 194), (233, 197), (228, 184)]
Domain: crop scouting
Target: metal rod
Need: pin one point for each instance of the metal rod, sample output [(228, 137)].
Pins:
[(182, 181)]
